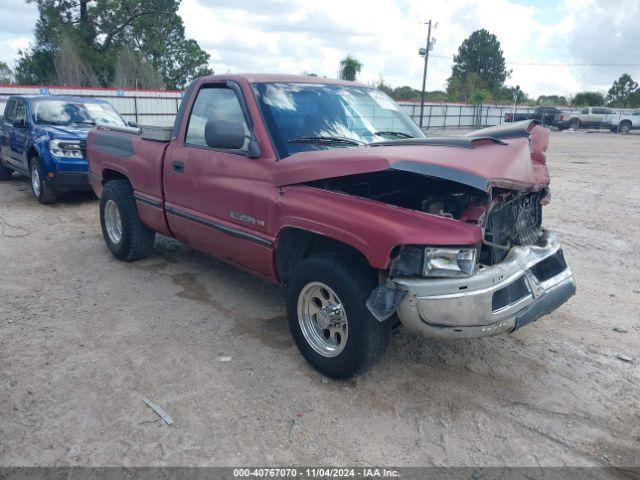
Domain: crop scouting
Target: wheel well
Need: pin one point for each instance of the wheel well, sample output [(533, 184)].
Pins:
[(32, 152), (625, 122), (295, 245), (109, 175)]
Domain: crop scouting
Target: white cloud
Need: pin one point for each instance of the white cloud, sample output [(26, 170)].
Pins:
[(292, 36)]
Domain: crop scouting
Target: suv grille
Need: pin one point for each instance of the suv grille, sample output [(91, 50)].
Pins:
[(83, 148), (514, 221)]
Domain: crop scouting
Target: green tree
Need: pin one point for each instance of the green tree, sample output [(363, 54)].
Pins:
[(620, 93), (349, 68), (6, 74), (383, 87), (461, 89), (479, 55), (552, 100), (99, 32), (406, 93), (588, 99)]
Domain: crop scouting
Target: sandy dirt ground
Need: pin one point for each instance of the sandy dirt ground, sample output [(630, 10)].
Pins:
[(84, 338)]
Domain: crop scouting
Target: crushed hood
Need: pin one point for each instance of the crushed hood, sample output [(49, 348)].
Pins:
[(510, 157)]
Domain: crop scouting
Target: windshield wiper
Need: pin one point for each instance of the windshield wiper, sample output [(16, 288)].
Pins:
[(327, 140), (392, 133)]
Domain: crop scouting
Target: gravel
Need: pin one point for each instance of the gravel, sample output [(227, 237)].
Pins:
[(84, 338)]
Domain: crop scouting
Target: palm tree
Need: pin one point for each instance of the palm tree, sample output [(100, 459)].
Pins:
[(349, 68)]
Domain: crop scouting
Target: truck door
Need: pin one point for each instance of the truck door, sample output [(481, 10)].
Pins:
[(18, 136), (216, 197)]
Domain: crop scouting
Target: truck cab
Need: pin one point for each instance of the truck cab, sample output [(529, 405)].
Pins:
[(44, 138)]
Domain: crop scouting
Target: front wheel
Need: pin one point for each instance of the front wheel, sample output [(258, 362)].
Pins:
[(574, 124), (126, 236), (328, 318), (39, 187)]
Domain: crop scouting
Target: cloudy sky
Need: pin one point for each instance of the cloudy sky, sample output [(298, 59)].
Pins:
[(552, 46)]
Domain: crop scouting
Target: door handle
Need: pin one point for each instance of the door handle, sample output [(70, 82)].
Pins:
[(177, 166)]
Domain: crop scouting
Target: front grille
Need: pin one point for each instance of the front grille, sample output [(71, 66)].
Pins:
[(515, 220), (83, 148)]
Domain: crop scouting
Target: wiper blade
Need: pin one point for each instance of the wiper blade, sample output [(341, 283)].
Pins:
[(393, 133), (327, 140)]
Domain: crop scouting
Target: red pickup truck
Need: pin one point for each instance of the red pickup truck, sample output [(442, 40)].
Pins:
[(329, 189)]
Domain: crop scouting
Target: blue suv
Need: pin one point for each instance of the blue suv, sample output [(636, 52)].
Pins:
[(45, 138)]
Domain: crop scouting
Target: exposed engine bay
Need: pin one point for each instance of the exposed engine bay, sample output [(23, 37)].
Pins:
[(416, 192), (508, 217)]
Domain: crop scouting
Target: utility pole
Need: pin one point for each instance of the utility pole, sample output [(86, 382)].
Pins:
[(425, 52)]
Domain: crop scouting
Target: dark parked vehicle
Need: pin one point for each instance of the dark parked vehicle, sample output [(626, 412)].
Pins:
[(545, 115), (44, 137)]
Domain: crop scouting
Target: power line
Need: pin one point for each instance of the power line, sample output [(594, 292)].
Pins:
[(537, 64)]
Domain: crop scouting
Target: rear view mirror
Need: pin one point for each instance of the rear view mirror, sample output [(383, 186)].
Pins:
[(225, 134), (132, 124)]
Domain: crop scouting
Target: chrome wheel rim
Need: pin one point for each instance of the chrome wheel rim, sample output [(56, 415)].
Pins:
[(112, 221), (35, 180), (625, 128), (323, 319)]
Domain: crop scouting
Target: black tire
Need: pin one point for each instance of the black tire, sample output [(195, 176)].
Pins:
[(44, 193), (353, 282), (5, 172), (136, 239), (624, 128), (574, 123)]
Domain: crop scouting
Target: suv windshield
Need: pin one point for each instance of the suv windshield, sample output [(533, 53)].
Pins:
[(309, 116), (70, 112)]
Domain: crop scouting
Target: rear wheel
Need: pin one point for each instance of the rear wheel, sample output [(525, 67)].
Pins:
[(39, 187), (574, 123), (5, 172), (624, 128), (328, 318), (126, 236)]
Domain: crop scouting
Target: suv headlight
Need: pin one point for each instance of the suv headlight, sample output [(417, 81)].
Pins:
[(435, 261), (65, 148), (449, 262)]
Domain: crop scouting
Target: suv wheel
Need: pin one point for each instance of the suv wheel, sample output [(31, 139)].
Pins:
[(126, 236), (328, 318), (624, 128), (43, 192)]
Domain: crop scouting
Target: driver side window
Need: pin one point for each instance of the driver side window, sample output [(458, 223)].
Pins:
[(21, 113), (215, 108)]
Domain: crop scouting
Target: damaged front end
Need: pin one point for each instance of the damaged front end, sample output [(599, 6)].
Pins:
[(509, 273), (516, 275)]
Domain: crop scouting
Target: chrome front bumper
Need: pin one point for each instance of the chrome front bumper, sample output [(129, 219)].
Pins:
[(531, 282)]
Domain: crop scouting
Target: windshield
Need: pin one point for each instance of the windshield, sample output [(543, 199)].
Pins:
[(74, 112), (303, 117)]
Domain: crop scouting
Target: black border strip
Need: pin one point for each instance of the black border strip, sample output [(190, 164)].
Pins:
[(147, 201), (220, 228)]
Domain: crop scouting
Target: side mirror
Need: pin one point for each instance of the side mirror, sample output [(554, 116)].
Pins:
[(19, 123), (132, 124), (224, 134)]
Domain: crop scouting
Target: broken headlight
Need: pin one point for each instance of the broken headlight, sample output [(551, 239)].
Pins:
[(435, 261), (449, 262)]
